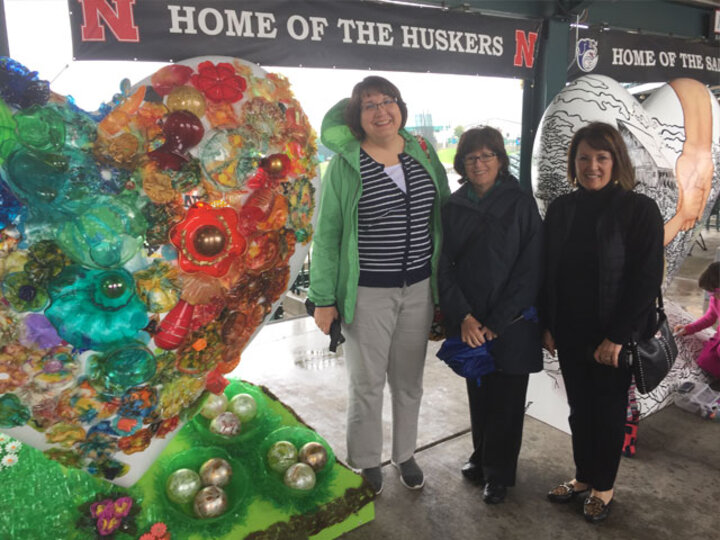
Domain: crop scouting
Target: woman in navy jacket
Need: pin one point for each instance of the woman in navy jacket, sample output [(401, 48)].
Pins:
[(489, 273)]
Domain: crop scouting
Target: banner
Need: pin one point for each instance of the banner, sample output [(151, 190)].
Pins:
[(342, 34), (628, 57)]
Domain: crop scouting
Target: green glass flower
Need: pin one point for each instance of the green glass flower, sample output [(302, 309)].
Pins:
[(23, 295)]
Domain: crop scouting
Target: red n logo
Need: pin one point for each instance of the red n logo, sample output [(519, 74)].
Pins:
[(524, 48), (119, 20)]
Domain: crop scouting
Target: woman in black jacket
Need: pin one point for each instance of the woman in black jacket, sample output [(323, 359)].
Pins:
[(489, 274), (604, 265)]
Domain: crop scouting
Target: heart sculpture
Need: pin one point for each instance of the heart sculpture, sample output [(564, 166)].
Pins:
[(673, 139), (140, 250)]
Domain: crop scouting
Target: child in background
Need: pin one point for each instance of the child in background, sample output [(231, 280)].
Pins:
[(709, 359)]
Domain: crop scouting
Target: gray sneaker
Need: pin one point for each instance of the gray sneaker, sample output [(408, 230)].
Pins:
[(411, 475), (374, 475)]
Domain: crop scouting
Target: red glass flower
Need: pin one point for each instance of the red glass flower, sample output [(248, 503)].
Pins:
[(219, 82), (208, 240)]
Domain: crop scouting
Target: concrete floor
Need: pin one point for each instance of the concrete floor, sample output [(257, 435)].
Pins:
[(671, 489)]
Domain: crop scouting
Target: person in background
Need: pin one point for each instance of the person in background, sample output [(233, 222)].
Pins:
[(375, 251), (709, 358), (490, 273), (604, 266)]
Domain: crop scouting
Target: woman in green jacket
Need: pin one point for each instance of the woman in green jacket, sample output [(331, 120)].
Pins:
[(375, 252)]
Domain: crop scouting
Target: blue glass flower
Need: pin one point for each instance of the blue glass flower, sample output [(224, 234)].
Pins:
[(95, 309)]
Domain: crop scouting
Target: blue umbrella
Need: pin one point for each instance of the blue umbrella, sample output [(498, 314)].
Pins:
[(466, 361), (474, 362)]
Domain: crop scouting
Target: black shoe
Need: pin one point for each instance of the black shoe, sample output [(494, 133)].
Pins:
[(494, 493), (564, 492), (374, 476), (595, 510), (411, 475), (473, 472)]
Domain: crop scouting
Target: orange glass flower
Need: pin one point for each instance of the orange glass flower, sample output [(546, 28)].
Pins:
[(208, 240)]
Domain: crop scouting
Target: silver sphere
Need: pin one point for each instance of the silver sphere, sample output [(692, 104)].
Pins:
[(182, 485), (243, 406), (210, 502), (313, 454), (225, 424), (215, 472), (300, 476), (214, 405), (281, 455)]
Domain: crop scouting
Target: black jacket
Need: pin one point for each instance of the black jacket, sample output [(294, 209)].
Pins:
[(630, 259), (491, 266)]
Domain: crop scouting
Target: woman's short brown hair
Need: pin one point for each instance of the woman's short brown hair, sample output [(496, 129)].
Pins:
[(475, 139), (709, 280), (368, 85), (602, 136)]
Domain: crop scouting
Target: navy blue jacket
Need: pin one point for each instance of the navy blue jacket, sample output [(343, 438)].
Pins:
[(491, 266)]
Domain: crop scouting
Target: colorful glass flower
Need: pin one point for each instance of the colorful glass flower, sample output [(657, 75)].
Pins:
[(45, 260), (201, 351), (229, 159), (95, 309), (39, 332), (263, 252), (68, 458), (106, 235), (219, 82), (208, 240), (138, 402), (300, 196), (66, 435), (179, 394), (97, 446), (58, 367), (158, 286), (12, 374), (22, 293), (167, 426), (121, 368), (12, 411), (40, 128), (137, 442)]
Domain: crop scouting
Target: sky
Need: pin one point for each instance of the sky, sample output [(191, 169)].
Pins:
[(39, 38)]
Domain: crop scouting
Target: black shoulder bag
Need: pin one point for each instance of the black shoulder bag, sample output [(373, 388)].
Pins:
[(651, 359)]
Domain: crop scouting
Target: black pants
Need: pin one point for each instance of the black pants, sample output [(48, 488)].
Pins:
[(598, 397), (497, 411)]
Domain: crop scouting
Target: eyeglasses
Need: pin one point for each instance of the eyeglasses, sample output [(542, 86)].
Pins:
[(483, 158), (372, 107)]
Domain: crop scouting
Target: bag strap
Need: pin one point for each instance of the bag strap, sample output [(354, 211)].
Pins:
[(660, 308)]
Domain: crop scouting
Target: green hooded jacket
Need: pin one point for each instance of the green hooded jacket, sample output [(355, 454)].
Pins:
[(335, 268)]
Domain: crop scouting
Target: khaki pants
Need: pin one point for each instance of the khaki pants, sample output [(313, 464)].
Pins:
[(387, 339)]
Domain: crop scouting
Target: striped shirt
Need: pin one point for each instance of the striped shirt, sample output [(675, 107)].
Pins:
[(394, 241)]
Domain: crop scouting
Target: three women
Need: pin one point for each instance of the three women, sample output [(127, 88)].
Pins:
[(375, 253)]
